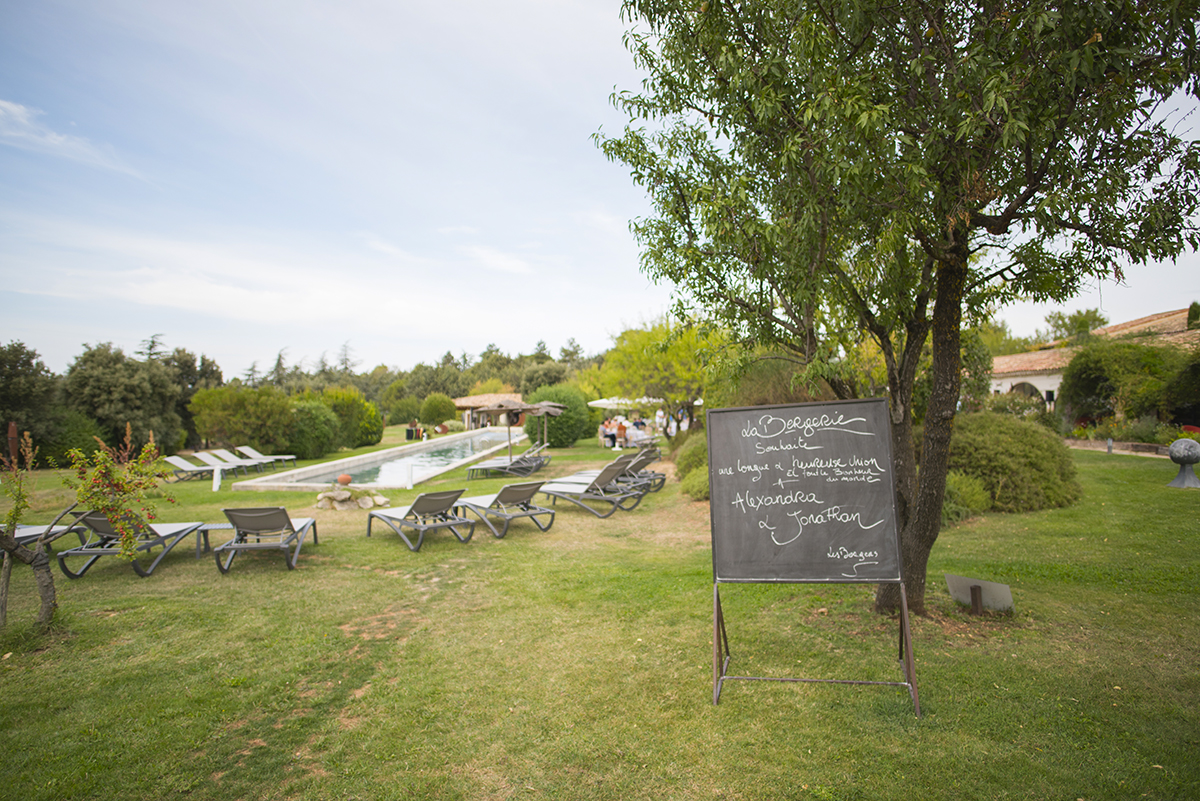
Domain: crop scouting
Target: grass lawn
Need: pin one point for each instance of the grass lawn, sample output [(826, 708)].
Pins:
[(577, 663)]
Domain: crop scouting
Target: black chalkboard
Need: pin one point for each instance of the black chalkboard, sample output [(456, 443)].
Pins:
[(803, 493)]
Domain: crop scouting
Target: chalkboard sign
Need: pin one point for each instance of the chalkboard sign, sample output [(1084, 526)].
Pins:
[(803, 493)]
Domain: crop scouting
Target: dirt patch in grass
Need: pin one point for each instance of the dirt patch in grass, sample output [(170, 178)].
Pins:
[(688, 525), (393, 622)]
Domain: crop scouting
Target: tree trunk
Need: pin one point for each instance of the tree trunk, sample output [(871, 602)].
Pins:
[(43, 577), (5, 577), (918, 534), (45, 583)]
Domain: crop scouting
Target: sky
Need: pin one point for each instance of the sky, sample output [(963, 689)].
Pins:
[(246, 177)]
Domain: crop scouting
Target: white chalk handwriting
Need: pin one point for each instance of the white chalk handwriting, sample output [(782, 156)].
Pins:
[(768, 425)]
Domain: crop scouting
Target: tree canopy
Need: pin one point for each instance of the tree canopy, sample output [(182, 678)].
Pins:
[(822, 172)]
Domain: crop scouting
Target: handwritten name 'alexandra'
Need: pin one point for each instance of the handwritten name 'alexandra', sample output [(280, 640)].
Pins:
[(753, 501)]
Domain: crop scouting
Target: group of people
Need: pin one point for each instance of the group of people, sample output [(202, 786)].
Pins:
[(616, 431)]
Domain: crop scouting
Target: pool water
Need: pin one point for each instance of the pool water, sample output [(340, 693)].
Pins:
[(396, 471)]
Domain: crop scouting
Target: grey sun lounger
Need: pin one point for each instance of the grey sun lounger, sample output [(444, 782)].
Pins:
[(523, 464), (635, 471), (183, 469), (511, 502), (602, 496), (265, 529), (103, 540), (29, 534), (246, 450), (430, 511)]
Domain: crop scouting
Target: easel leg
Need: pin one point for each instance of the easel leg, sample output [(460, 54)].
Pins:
[(720, 646), (906, 653)]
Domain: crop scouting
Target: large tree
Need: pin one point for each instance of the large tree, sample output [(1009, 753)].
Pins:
[(662, 360), (118, 391), (191, 376), (827, 171), (27, 390)]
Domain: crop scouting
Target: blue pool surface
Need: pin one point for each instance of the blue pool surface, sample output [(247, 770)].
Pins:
[(395, 472)]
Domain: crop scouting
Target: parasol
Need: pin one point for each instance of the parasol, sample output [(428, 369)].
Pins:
[(617, 404), (509, 409), (546, 410)]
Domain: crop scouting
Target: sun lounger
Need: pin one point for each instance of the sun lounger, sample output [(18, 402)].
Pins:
[(523, 464), (265, 529), (603, 491), (183, 469), (233, 458), (30, 534), (635, 471), (278, 457), (430, 511), (511, 502), (103, 540), (225, 464)]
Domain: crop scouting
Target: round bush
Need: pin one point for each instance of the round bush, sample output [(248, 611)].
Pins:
[(353, 410), (370, 427), (693, 454), (564, 430), (1024, 466), (315, 429), (404, 411), (437, 409), (695, 483)]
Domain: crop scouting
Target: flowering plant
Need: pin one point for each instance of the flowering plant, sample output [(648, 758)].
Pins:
[(118, 491)]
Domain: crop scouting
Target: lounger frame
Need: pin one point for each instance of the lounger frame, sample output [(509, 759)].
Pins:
[(104, 540), (510, 503), (429, 511), (265, 529)]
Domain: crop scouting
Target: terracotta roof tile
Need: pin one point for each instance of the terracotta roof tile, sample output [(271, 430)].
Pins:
[(479, 401), (1164, 327)]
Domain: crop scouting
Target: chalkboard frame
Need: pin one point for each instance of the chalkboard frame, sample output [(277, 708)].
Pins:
[(884, 502), (882, 495)]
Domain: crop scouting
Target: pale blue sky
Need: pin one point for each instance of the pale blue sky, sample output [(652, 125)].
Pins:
[(243, 177), (246, 176)]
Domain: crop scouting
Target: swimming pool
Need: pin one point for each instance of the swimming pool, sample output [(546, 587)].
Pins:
[(390, 469)]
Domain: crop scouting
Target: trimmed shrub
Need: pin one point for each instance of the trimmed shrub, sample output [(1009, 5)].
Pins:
[(692, 455), (1024, 466), (564, 430), (437, 409), (966, 497), (370, 428), (360, 422), (695, 484), (315, 429), (454, 426), (404, 411)]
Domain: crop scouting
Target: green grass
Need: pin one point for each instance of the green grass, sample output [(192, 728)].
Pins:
[(577, 663)]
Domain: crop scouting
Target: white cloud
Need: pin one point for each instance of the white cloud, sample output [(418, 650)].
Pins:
[(497, 261), (20, 128)]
